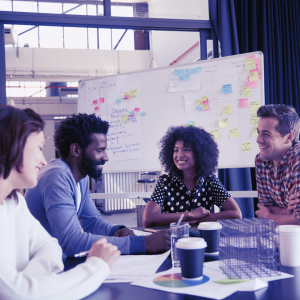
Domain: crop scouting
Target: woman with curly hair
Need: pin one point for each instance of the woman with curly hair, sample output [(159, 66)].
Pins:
[(190, 157)]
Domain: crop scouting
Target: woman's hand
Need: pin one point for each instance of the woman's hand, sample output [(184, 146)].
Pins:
[(198, 213)]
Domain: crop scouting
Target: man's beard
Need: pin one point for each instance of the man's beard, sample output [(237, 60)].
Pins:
[(89, 166)]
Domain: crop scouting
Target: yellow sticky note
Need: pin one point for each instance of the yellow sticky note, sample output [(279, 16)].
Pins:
[(254, 119), (215, 133), (205, 107), (223, 123), (246, 91), (234, 133), (253, 76), (250, 64), (254, 131), (124, 118), (254, 106), (246, 147), (204, 98), (133, 93), (227, 110), (191, 123), (126, 93), (197, 102)]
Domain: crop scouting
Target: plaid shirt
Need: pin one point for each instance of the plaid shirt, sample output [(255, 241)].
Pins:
[(275, 191)]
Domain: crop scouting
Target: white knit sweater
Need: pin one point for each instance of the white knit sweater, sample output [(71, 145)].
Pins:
[(30, 260)]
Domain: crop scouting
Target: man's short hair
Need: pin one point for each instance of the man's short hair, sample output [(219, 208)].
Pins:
[(77, 129), (286, 115)]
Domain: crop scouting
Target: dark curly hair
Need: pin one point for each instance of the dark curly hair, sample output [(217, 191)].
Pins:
[(77, 129), (204, 148)]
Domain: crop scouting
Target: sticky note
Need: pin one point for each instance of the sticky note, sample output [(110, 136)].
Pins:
[(137, 109), (96, 108), (234, 133), (198, 69), (205, 107), (126, 97), (186, 77), (254, 131), (227, 110), (142, 113), (226, 89), (246, 92), (258, 71), (181, 72), (131, 113), (257, 63), (176, 72), (250, 64), (254, 106), (204, 98), (205, 102), (223, 123), (181, 76), (126, 93), (215, 133), (124, 118), (250, 56), (253, 76), (197, 102), (193, 71), (243, 102), (254, 119), (187, 71), (198, 107), (118, 101), (191, 123), (251, 84), (101, 100), (95, 102), (133, 93), (246, 147)]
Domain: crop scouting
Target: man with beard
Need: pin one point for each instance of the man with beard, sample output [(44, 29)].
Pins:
[(61, 200), (277, 166)]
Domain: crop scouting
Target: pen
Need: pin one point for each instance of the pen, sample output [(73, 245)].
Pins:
[(82, 254)]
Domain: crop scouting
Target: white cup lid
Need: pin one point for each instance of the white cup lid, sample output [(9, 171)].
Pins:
[(209, 226), (191, 243), (289, 229)]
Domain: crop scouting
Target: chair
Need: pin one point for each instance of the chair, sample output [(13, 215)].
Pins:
[(139, 215), (147, 180)]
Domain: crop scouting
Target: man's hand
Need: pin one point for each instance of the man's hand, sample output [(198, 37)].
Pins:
[(124, 232), (198, 213), (158, 241), (263, 212), (107, 252), (294, 200)]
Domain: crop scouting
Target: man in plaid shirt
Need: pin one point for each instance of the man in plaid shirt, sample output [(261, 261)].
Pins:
[(277, 166)]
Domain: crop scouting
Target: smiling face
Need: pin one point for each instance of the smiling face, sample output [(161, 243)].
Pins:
[(272, 145), (95, 156), (33, 161), (183, 157)]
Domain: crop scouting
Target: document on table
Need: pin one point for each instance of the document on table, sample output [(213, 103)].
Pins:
[(129, 268)]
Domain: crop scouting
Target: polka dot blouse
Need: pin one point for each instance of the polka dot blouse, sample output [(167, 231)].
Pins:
[(172, 195)]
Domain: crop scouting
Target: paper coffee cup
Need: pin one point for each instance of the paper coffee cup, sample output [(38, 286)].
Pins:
[(191, 256), (289, 237), (210, 232)]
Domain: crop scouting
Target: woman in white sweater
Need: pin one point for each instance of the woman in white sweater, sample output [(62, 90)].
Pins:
[(30, 259)]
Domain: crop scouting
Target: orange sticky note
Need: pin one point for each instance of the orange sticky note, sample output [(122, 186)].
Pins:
[(101, 100), (96, 107), (95, 102), (243, 102)]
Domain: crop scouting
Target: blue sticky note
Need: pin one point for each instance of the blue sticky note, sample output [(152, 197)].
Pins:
[(142, 113), (187, 71), (181, 76), (118, 101), (198, 69), (226, 89), (186, 77), (190, 122), (193, 71), (198, 108), (181, 72), (131, 113), (176, 72)]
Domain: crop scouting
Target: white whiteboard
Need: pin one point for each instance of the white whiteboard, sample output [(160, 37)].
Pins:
[(164, 108)]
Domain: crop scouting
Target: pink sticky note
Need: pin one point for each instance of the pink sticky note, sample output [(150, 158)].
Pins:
[(251, 84), (95, 102), (250, 56), (101, 100), (126, 97), (243, 102), (96, 108), (257, 63), (137, 109), (205, 102)]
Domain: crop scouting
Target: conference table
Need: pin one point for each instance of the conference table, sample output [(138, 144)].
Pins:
[(277, 290)]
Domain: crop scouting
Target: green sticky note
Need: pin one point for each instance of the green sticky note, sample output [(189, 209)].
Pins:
[(254, 106), (246, 147), (227, 110), (223, 123), (215, 133), (234, 133)]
